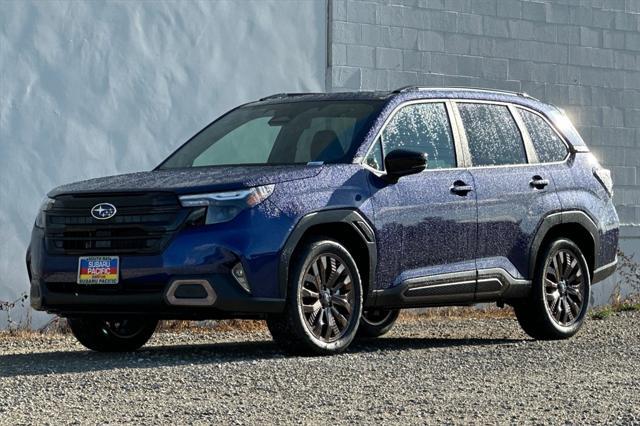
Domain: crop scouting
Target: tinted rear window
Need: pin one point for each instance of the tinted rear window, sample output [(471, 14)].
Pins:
[(547, 143), (493, 135)]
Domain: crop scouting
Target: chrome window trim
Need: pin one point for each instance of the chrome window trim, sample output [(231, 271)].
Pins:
[(460, 138), (455, 103)]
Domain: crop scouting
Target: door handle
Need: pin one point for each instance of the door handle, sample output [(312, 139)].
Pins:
[(461, 188), (538, 183)]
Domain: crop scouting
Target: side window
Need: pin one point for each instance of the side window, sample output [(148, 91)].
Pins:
[(493, 135), (374, 158), (424, 128), (546, 141)]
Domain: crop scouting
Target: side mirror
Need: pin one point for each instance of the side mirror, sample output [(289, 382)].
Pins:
[(402, 162)]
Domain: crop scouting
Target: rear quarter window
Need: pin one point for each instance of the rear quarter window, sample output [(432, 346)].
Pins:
[(548, 145)]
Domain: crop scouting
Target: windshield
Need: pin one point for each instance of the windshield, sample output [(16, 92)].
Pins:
[(287, 133)]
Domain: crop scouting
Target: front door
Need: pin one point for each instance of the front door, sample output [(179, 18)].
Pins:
[(426, 223)]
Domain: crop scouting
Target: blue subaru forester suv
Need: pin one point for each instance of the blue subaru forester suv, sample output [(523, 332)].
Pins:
[(325, 214)]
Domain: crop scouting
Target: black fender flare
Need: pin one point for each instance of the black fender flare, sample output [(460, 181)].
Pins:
[(562, 218), (324, 217)]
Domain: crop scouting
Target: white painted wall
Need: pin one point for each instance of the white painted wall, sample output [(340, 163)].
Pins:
[(95, 88)]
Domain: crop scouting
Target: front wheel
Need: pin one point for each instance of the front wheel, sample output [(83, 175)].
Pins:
[(324, 301), (122, 335), (377, 322), (560, 293)]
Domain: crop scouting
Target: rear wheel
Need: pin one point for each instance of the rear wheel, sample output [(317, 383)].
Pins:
[(324, 302), (560, 293), (122, 335), (376, 322)]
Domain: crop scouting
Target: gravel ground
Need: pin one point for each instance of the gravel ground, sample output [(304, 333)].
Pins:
[(424, 371)]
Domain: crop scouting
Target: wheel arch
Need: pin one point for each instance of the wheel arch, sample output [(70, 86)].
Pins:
[(348, 227), (575, 225)]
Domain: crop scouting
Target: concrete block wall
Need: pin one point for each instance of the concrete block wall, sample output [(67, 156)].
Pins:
[(582, 55)]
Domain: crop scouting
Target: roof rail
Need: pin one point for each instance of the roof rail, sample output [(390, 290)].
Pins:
[(284, 95), (477, 89)]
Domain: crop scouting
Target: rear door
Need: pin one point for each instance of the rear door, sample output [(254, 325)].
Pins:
[(514, 192)]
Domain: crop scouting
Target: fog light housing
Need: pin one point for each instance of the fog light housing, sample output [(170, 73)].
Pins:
[(238, 273)]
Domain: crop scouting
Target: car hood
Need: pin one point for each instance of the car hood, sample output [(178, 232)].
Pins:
[(192, 180)]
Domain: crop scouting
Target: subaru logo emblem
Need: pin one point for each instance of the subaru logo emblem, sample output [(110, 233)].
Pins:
[(103, 211)]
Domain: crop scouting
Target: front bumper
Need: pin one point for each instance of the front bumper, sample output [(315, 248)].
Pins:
[(145, 280), (70, 299)]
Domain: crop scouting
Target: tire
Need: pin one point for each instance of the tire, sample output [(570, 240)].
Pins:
[(560, 293), (126, 335), (377, 322), (324, 302)]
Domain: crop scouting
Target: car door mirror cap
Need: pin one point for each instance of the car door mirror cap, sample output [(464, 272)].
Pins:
[(403, 162)]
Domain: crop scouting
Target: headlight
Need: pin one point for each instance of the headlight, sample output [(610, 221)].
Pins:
[(224, 206), (45, 205)]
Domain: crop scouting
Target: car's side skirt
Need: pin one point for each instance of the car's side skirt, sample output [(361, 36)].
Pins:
[(458, 288)]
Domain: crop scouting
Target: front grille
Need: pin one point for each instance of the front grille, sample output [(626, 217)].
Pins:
[(144, 223)]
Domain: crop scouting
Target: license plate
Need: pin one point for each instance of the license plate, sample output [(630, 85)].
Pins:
[(98, 270)]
